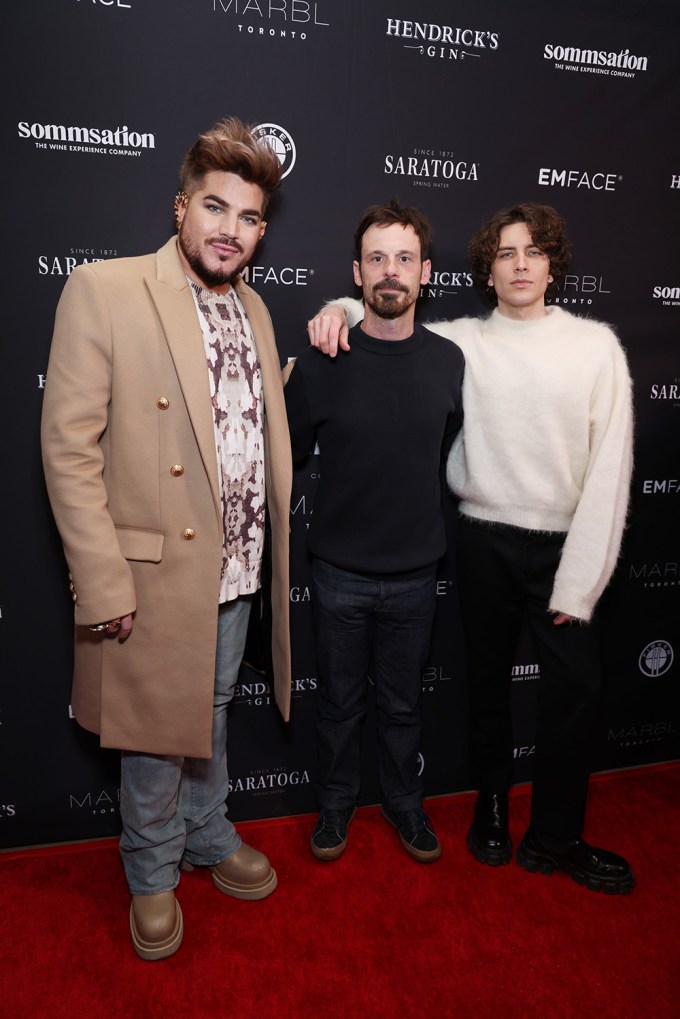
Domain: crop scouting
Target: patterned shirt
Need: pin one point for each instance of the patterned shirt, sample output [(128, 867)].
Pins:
[(238, 410)]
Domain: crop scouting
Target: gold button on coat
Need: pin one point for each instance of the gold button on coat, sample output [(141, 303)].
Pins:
[(162, 403), (177, 471), (188, 533)]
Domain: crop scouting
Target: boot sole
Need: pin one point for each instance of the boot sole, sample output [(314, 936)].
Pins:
[(483, 854), (152, 951), (544, 865)]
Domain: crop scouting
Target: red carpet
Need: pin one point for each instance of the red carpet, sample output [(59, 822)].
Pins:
[(374, 934)]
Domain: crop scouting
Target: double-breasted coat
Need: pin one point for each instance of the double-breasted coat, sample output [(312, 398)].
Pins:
[(131, 469)]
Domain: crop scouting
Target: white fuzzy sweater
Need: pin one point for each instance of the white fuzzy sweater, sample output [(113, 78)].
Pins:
[(547, 440)]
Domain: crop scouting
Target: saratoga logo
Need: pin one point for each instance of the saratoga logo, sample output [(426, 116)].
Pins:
[(428, 168), (103, 141), (666, 391), (443, 42), (571, 58), (262, 782)]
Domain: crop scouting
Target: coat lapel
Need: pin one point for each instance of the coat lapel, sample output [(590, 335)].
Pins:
[(177, 313)]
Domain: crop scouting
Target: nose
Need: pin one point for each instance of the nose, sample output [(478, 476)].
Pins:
[(521, 262), (231, 225), (390, 268)]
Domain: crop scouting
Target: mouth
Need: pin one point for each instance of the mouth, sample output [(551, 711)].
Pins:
[(389, 288), (225, 249)]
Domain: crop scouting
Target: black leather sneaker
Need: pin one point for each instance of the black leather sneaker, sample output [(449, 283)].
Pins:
[(416, 833), (329, 838)]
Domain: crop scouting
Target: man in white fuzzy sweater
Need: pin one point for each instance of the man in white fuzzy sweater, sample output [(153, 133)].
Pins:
[(542, 470)]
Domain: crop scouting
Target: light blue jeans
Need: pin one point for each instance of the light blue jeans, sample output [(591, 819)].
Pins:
[(175, 806)]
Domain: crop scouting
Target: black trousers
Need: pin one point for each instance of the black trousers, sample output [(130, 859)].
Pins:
[(503, 573)]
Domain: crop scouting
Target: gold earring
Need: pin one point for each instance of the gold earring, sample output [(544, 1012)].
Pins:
[(181, 202)]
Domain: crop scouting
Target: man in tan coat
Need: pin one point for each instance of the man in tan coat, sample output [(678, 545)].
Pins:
[(163, 427)]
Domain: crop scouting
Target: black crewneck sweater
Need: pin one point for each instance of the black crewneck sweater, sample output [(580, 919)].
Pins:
[(384, 415)]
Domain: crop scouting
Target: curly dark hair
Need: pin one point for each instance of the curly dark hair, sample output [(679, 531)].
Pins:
[(548, 232), (394, 212), (231, 147)]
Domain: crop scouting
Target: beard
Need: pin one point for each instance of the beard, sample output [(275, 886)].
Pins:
[(386, 304), (211, 278)]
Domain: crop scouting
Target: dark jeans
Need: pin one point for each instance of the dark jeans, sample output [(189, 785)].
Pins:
[(383, 626), (503, 572)]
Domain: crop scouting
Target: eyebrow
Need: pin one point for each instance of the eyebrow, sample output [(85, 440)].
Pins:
[(403, 251), (225, 205), (513, 247)]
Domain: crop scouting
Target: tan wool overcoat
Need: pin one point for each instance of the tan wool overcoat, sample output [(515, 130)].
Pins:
[(131, 470)]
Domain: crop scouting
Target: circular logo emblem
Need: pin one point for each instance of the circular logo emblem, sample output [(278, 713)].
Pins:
[(656, 658), (278, 139)]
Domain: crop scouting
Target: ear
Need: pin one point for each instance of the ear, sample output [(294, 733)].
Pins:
[(263, 227), (550, 279), (425, 271), (180, 207), (489, 282), (357, 274)]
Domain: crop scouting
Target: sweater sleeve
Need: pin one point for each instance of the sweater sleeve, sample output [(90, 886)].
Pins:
[(300, 424), (594, 538)]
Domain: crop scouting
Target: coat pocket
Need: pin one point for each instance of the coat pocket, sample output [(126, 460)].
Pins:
[(140, 544)]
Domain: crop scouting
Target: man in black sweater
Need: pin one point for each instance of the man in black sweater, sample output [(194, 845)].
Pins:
[(385, 415)]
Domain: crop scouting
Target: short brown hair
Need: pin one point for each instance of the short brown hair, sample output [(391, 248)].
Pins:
[(548, 232), (394, 212), (231, 147)]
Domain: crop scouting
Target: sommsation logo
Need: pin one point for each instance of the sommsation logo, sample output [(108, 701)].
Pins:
[(623, 64), (100, 141)]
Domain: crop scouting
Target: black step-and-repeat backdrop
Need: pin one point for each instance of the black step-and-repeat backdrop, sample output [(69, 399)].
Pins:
[(456, 107)]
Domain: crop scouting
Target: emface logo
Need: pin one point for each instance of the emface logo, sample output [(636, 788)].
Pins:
[(623, 64), (284, 276), (656, 658), (590, 180), (274, 19), (431, 168), (443, 42), (101, 141), (278, 139), (662, 486)]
